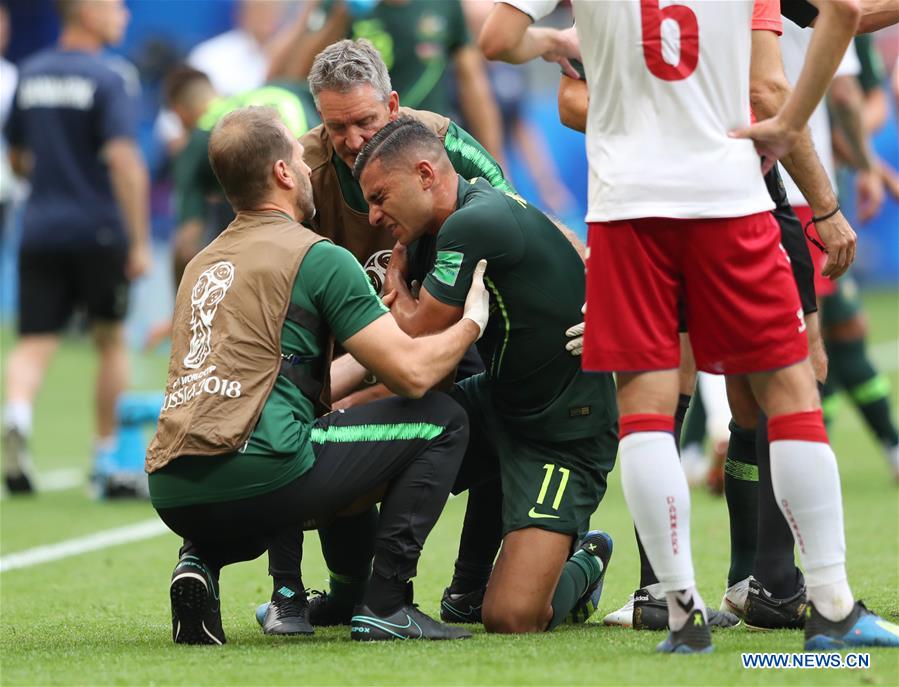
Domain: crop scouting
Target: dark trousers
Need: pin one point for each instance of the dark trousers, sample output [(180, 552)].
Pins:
[(408, 449)]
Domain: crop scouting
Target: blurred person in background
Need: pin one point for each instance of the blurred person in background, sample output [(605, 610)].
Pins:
[(263, 40), (876, 110), (424, 45), (238, 60), (511, 87), (896, 87), (192, 96), (9, 77), (71, 132), (201, 210), (842, 320)]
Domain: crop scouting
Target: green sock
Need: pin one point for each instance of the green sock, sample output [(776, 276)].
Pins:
[(579, 573), (348, 549), (741, 491), (870, 392)]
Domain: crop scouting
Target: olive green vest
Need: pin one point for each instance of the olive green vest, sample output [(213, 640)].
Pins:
[(226, 338)]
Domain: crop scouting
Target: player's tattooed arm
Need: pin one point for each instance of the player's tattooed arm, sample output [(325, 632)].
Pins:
[(835, 26), (769, 90), (847, 101)]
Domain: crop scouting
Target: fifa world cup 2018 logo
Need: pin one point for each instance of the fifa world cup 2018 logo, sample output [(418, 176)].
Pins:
[(208, 292)]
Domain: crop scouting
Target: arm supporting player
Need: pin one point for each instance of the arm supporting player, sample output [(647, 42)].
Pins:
[(131, 187), (410, 367), (346, 375), (768, 91)]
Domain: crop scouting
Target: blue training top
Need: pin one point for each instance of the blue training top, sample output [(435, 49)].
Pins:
[(67, 106)]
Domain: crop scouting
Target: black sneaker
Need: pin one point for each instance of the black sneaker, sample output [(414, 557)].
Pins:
[(287, 614), (599, 545), (859, 628), (651, 613), (196, 611), (324, 611), (462, 608), (407, 623), (765, 612), (126, 485), (693, 638), (17, 470), (721, 620)]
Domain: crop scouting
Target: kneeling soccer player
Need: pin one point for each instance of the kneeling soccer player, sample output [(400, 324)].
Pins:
[(239, 456), (537, 420)]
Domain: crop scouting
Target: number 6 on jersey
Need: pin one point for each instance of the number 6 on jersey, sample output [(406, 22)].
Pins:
[(651, 17)]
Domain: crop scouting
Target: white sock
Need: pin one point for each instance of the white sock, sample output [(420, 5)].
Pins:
[(807, 487), (17, 415), (659, 501), (681, 604)]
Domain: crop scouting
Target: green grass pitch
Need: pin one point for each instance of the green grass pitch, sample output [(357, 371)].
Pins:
[(103, 617)]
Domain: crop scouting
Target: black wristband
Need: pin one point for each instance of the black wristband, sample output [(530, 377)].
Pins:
[(815, 220)]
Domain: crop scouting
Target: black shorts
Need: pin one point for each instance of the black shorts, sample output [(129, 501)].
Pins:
[(792, 238), (53, 283), (414, 447)]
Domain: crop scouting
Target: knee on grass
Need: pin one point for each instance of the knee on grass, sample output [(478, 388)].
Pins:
[(514, 618)]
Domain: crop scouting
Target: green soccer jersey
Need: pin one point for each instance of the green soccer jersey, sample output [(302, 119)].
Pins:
[(468, 157), (192, 173), (536, 284), (331, 284), (417, 40)]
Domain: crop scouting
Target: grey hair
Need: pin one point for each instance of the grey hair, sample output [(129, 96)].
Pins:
[(347, 64)]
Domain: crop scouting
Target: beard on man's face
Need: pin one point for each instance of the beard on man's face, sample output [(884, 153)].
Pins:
[(303, 200)]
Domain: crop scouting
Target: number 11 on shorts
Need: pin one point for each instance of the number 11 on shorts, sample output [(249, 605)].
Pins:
[(549, 469)]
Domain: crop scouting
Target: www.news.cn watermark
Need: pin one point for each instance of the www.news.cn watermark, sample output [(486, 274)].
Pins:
[(806, 661)]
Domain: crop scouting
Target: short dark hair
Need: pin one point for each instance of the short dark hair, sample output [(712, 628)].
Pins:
[(242, 149), (179, 81), (66, 9), (397, 138)]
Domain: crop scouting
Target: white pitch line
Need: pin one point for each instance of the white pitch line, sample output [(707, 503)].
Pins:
[(74, 547)]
